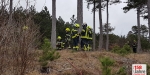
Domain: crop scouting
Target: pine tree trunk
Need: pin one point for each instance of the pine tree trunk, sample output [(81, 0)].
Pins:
[(11, 6), (138, 23), (80, 13), (101, 27), (53, 34), (94, 27), (107, 36), (10, 11), (148, 5)]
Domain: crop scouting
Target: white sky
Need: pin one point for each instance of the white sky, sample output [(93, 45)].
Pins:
[(66, 8)]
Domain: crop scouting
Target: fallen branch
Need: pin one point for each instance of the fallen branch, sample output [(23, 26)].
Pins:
[(76, 69)]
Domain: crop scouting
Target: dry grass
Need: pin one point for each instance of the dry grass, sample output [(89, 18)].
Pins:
[(88, 62), (143, 58)]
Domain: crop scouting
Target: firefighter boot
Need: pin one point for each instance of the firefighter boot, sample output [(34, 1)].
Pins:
[(77, 48), (85, 48), (74, 48), (88, 48)]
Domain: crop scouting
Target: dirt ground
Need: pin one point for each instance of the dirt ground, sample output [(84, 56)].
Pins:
[(87, 63)]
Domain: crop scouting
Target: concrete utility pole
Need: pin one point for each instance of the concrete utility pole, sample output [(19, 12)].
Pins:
[(53, 33), (80, 15), (138, 24)]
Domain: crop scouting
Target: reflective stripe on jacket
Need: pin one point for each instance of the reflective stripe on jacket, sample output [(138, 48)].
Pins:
[(90, 34), (84, 33), (74, 33), (68, 36)]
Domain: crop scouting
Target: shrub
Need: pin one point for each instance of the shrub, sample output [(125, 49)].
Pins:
[(116, 49), (48, 53), (127, 48), (19, 39), (106, 63), (145, 44), (122, 71), (122, 51)]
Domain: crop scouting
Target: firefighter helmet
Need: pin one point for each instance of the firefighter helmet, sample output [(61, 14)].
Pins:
[(77, 25), (67, 29), (58, 37)]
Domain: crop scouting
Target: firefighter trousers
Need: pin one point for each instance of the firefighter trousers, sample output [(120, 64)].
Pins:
[(89, 44), (75, 43), (84, 43)]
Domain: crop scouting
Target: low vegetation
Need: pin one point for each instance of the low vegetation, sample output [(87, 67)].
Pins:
[(48, 54), (106, 64), (126, 49), (122, 71)]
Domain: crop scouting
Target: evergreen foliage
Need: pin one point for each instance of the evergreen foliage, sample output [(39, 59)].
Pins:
[(122, 71), (126, 49), (106, 64), (48, 53)]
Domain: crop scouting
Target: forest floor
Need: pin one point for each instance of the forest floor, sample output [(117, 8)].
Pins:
[(88, 63)]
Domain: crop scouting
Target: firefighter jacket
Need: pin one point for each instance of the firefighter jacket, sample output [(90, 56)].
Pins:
[(84, 33), (74, 33), (59, 42), (68, 36), (89, 34), (134, 45)]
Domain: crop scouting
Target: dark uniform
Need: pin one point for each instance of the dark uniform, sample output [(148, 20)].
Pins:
[(84, 42), (134, 46), (59, 44), (75, 37), (89, 39), (68, 39)]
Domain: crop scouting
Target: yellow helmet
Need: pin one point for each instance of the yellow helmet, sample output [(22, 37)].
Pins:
[(134, 40), (67, 29), (77, 25), (88, 27), (58, 37)]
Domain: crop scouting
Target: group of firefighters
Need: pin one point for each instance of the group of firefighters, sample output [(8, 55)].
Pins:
[(72, 38)]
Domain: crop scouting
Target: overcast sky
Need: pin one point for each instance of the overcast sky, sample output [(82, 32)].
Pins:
[(66, 8)]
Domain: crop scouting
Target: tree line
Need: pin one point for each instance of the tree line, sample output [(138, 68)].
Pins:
[(142, 7), (23, 31), (44, 20)]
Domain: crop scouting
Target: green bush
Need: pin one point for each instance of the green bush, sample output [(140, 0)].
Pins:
[(48, 53), (145, 44), (106, 63), (127, 48), (46, 45), (122, 51), (122, 71), (116, 49)]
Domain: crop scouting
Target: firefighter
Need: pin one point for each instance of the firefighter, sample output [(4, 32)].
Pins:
[(134, 46), (68, 38), (75, 37), (59, 43), (89, 39), (84, 36)]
